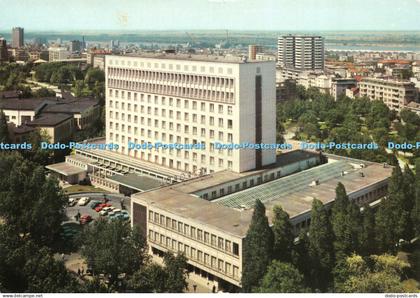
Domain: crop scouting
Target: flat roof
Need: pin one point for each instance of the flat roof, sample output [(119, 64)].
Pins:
[(138, 182), (65, 169), (294, 193), (228, 220), (193, 57), (71, 106)]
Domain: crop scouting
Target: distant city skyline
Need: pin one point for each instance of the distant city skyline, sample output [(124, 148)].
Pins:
[(122, 15)]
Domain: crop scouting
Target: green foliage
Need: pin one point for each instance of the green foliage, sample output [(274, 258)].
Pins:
[(13, 75), (345, 223), (114, 249), (321, 250), (282, 278), (4, 131), (381, 275), (57, 73), (321, 119), (367, 236), (258, 247), (26, 267), (415, 213), (391, 218), (283, 235), (29, 202), (153, 278)]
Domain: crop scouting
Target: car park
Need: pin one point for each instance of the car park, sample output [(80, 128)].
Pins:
[(83, 201)]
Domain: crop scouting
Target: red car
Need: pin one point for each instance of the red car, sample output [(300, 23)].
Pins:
[(100, 206), (84, 219)]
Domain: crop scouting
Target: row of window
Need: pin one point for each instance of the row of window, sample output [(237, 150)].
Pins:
[(194, 254), (115, 114), (240, 186), (170, 101), (194, 233), (194, 166), (170, 66), (162, 136), (170, 77), (198, 93)]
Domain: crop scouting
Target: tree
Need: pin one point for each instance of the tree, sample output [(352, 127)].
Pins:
[(367, 235), (154, 278), (381, 275), (30, 202), (26, 267), (258, 246), (4, 131), (408, 201), (391, 218), (321, 250), (282, 278), (415, 213), (283, 235), (112, 248), (176, 272), (300, 255)]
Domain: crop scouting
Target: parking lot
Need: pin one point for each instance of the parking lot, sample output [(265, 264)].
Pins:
[(117, 201)]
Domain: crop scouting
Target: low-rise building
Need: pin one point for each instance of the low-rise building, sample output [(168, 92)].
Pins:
[(58, 53), (339, 86), (172, 217), (395, 94)]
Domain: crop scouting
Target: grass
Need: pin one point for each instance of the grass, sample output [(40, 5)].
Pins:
[(82, 188)]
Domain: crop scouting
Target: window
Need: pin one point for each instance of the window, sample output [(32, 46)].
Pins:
[(213, 240), (206, 237), (235, 249), (199, 234), (220, 243)]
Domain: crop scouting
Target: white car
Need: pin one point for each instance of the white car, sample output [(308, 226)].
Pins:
[(83, 201), (103, 212)]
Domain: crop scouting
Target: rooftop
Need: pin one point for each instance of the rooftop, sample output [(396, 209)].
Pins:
[(294, 193), (65, 169), (138, 182), (194, 57), (50, 119)]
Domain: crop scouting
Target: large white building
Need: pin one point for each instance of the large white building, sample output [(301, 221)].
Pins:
[(301, 52), (191, 100)]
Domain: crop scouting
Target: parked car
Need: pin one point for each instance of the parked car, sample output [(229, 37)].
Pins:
[(83, 201), (84, 219), (72, 202), (101, 206), (103, 212), (94, 203)]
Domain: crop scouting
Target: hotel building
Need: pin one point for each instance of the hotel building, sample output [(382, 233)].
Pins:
[(191, 100)]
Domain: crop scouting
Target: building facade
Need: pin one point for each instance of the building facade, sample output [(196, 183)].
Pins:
[(17, 37), (301, 53), (57, 54), (253, 50), (395, 94), (192, 100), (3, 50)]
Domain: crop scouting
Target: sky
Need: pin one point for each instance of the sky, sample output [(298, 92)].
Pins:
[(277, 15)]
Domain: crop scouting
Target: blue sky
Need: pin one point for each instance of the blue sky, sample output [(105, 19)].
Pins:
[(56, 15)]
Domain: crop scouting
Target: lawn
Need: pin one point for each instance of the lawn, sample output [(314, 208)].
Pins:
[(83, 188)]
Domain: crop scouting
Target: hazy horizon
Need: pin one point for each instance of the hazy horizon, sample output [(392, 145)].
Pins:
[(203, 15)]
